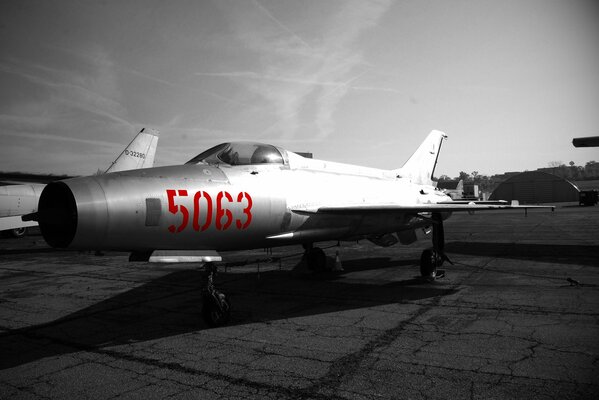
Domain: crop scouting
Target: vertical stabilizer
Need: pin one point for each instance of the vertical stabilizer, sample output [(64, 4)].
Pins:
[(138, 154), (421, 165)]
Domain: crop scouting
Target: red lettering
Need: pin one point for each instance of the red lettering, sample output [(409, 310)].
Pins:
[(223, 215), (174, 209), (247, 211), (197, 210), (223, 212)]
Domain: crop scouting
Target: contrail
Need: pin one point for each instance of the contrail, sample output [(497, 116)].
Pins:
[(281, 25)]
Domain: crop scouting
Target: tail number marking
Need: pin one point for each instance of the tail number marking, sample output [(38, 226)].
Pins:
[(134, 154), (206, 210)]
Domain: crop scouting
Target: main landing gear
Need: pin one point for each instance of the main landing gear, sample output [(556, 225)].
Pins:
[(216, 309), (433, 258)]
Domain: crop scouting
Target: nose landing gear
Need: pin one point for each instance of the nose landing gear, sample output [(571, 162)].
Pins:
[(216, 308)]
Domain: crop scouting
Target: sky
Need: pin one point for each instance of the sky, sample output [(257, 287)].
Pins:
[(363, 82)]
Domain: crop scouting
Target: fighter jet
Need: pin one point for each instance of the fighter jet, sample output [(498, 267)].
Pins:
[(244, 195), (18, 200)]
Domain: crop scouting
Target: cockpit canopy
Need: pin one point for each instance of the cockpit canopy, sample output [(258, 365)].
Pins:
[(239, 153)]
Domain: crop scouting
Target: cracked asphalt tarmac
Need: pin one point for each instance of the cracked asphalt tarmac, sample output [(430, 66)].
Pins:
[(503, 323)]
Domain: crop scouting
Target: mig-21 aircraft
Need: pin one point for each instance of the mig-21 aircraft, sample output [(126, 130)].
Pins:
[(244, 195)]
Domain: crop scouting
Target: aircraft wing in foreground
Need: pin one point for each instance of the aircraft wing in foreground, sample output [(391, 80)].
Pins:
[(245, 195), (18, 200)]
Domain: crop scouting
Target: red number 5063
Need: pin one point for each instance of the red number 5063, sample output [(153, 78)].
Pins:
[(217, 210)]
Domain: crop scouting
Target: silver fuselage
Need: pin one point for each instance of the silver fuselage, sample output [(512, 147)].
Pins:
[(223, 207)]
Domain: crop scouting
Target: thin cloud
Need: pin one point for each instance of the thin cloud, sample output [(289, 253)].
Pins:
[(64, 87), (91, 108), (70, 92), (179, 86), (304, 85), (281, 25), (374, 89), (327, 103), (258, 76), (58, 138)]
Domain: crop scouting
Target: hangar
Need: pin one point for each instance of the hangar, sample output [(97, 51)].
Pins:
[(536, 187)]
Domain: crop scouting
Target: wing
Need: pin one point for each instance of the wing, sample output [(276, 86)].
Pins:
[(449, 206)]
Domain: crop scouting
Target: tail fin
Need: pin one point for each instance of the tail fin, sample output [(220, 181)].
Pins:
[(138, 154), (420, 167)]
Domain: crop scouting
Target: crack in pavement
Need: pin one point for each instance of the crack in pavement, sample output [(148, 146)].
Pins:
[(289, 392), (345, 367)]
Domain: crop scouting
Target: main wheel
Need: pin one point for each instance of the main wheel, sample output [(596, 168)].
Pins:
[(216, 309), (429, 261), (317, 260)]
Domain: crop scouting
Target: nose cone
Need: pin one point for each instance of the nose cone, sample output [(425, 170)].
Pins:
[(57, 214)]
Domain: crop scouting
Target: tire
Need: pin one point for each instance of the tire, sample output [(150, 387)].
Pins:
[(429, 261)]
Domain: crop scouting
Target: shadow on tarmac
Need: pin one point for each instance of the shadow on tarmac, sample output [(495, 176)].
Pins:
[(377, 263), (554, 253), (4, 252), (170, 305)]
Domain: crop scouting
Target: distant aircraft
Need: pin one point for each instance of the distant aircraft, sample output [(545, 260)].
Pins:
[(18, 200), (245, 195)]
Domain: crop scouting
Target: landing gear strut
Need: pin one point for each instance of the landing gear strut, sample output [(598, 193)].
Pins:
[(216, 309), (433, 258)]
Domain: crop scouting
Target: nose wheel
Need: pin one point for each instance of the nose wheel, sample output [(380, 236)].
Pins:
[(431, 259), (216, 308)]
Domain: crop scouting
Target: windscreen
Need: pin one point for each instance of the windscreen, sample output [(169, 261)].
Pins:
[(239, 153)]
